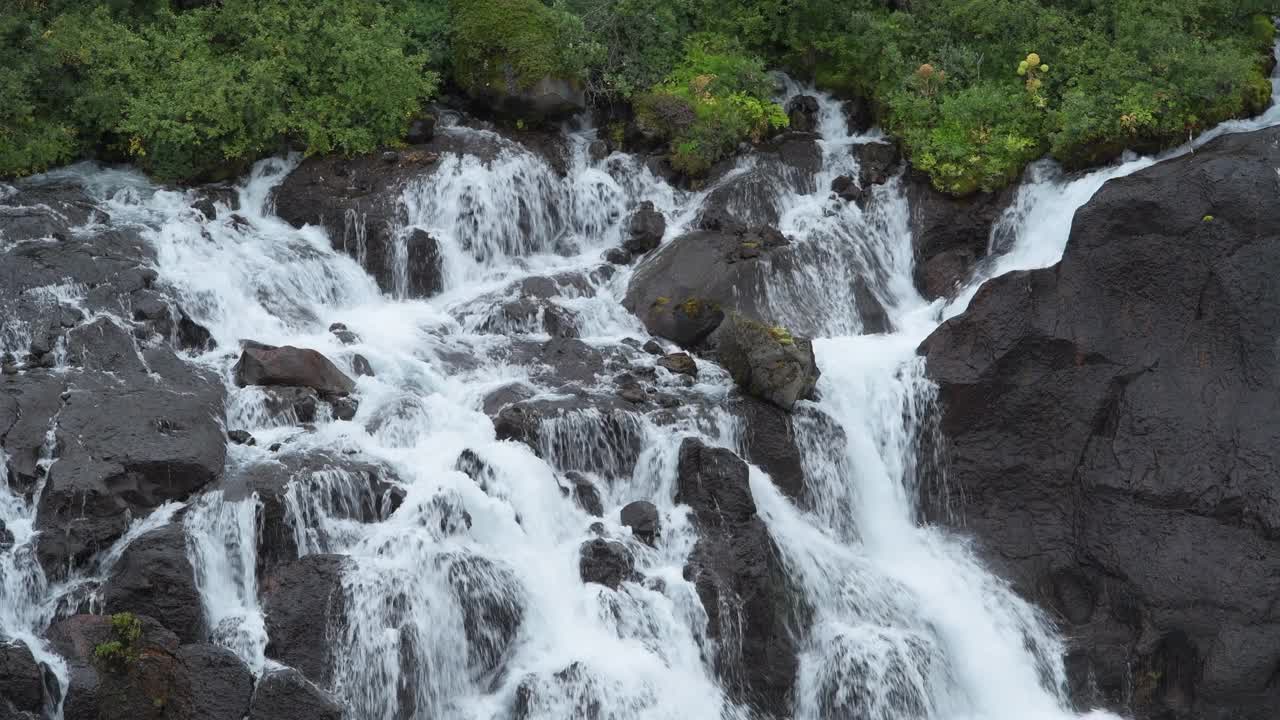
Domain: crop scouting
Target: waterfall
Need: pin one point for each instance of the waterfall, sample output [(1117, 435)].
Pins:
[(466, 600)]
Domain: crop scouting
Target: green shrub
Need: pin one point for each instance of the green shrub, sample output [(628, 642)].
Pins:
[(123, 649), (717, 97), (512, 44)]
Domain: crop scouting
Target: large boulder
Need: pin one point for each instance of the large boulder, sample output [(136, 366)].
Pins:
[(605, 562), (683, 291), (767, 362), (303, 602), (222, 685), (1111, 425), (122, 667), (769, 439), (154, 577), (22, 680), (949, 235), (288, 365), (285, 694), (736, 565), (745, 196), (802, 111)]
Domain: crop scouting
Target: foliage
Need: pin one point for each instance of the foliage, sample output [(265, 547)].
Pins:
[(715, 98), (513, 44), (126, 630)]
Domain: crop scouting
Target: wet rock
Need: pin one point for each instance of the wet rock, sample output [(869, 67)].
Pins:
[(144, 680), (300, 600), (154, 578), (617, 256), (735, 564), (209, 197), (424, 272), (546, 100), (573, 360), (679, 363), (577, 431), (645, 228), (291, 404), (341, 487), (847, 189), (950, 235), (653, 347), (421, 130), (859, 115), (45, 209), (287, 695), (293, 366), (767, 362), (492, 604), (770, 443), (360, 366), (222, 685), (585, 493), (22, 680), (746, 199), (573, 687), (241, 437), (1109, 422), (510, 393), (160, 442), (642, 517), (598, 150), (344, 335), (633, 393), (877, 163), (682, 292), (605, 562), (6, 537), (344, 408), (802, 111)]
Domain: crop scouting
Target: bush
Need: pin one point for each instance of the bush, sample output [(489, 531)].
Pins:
[(716, 97), (123, 649), (512, 44)]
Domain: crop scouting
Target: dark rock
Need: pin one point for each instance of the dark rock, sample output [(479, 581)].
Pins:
[(152, 685), (492, 603), (495, 401), (645, 228), (424, 272), (291, 404), (421, 130), (642, 517), (802, 110), (847, 189), (748, 199), (154, 578), (633, 393), (161, 441), (344, 408), (300, 600), (585, 493), (287, 695), (241, 437), (574, 686), (598, 150), (345, 336), (950, 235), (617, 256), (766, 362), (289, 365), (390, 157), (653, 347), (683, 291), (360, 366), (679, 363), (577, 431), (573, 360), (859, 115), (546, 100), (6, 537), (1110, 424), (605, 562), (209, 197), (735, 564), (770, 443), (222, 686), (22, 680), (877, 162)]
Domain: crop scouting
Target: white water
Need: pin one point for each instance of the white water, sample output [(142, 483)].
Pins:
[(906, 623)]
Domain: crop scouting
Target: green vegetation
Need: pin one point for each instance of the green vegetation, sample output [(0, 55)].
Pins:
[(975, 89), (123, 649)]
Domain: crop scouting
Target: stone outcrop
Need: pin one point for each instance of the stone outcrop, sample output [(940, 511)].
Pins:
[(1110, 423)]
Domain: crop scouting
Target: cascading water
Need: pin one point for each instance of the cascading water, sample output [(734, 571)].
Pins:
[(466, 600)]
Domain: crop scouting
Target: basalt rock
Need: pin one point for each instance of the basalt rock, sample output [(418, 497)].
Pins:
[(1110, 423), (767, 363), (679, 363), (154, 578), (735, 564), (950, 235), (492, 601), (683, 291), (642, 517), (286, 695), (288, 365), (645, 228), (305, 605), (605, 562), (770, 443), (222, 686), (742, 199), (802, 111), (22, 680), (585, 493)]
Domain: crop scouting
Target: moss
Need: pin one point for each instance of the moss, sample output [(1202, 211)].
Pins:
[(1208, 218), (691, 307), (782, 335)]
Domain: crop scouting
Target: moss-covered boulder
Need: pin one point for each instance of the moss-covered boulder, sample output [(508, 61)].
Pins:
[(767, 362)]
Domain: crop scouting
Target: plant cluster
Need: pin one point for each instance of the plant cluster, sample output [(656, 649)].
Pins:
[(122, 649)]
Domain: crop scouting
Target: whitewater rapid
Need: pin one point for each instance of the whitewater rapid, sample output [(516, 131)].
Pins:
[(906, 622)]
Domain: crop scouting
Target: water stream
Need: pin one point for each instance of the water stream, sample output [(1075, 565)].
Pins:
[(446, 621)]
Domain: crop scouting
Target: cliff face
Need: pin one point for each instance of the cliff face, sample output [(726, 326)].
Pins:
[(1112, 425)]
